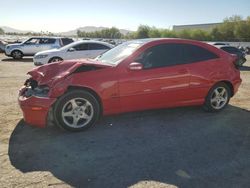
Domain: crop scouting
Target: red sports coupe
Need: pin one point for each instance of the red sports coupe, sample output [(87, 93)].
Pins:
[(136, 75)]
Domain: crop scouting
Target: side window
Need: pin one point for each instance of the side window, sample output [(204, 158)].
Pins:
[(96, 46), (66, 41), (47, 41), (173, 54), (81, 47), (32, 41), (192, 53), (160, 56)]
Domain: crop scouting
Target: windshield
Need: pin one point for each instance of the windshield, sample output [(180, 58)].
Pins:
[(120, 52)]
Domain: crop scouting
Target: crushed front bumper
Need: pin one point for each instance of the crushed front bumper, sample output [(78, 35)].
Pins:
[(35, 109)]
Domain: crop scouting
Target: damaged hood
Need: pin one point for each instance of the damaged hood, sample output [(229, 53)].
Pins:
[(49, 73)]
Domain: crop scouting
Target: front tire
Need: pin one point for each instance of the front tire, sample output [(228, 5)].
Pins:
[(77, 110), (218, 97), (17, 54)]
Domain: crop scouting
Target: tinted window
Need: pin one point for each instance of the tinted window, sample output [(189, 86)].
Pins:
[(81, 47), (66, 41), (173, 54), (193, 53), (96, 46), (159, 56)]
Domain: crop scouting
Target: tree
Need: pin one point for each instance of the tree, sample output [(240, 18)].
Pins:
[(185, 34), (154, 33), (112, 33), (142, 32), (166, 33), (200, 35), (1, 31)]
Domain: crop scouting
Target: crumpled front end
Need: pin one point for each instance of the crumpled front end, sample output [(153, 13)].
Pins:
[(46, 84), (35, 103)]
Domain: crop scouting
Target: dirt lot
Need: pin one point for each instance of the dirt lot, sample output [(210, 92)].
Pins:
[(181, 147)]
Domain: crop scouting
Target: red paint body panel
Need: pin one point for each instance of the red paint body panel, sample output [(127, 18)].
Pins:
[(35, 117), (122, 90)]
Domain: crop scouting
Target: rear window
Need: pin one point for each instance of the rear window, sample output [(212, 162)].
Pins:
[(96, 46)]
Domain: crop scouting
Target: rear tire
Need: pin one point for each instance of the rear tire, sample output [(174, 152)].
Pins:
[(218, 97), (76, 110), (17, 54)]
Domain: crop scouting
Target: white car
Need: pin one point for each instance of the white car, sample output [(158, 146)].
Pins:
[(75, 50), (34, 45)]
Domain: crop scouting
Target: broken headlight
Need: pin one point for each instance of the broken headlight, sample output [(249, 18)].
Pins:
[(33, 89), (39, 91)]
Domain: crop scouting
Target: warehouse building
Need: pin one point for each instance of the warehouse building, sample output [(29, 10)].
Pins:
[(205, 27)]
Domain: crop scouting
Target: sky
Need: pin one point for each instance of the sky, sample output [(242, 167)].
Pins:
[(61, 15)]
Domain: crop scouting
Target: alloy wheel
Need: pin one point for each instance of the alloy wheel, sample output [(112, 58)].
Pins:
[(77, 112), (219, 98), (17, 54)]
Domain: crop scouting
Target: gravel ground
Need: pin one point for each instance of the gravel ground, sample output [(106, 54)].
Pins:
[(180, 147)]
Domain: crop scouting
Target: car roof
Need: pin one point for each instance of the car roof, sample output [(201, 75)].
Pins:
[(166, 39), (224, 46), (174, 40), (49, 37), (88, 41)]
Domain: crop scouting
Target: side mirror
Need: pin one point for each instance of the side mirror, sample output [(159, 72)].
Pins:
[(71, 49), (135, 66)]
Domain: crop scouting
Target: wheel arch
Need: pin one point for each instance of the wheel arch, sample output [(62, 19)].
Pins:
[(54, 57), (229, 84), (16, 49), (94, 93)]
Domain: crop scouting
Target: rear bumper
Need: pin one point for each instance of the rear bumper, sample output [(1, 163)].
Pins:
[(35, 109), (236, 85)]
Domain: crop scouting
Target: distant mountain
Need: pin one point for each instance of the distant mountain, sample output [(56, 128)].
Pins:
[(89, 29), (67, 33), (12, 30)]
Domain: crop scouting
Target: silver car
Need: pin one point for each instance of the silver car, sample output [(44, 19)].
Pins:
[(34, 45)]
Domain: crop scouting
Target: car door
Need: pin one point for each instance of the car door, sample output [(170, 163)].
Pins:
[(95, 49), (163, 81), (31, 46), (77, 51)]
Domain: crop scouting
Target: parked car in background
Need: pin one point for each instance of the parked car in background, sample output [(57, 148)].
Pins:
[(248, 50), (35, 44), (236, 51), (75, 50), (2, 45), (136, 75), (220, 43)]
